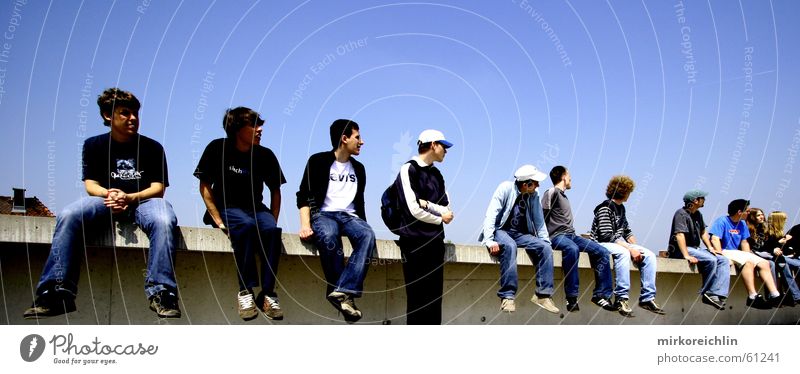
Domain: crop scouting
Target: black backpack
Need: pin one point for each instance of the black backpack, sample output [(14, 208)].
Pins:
[(391, 209)]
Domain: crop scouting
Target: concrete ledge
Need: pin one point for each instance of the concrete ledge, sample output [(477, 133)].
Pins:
[(39, 230)]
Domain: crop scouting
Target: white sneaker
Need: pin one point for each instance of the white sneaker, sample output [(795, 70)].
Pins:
[(272, 308), (247, 305), (507, 305)]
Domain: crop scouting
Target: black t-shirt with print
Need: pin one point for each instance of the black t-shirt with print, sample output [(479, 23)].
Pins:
[(237, 178), (691, 225), (130, 167)]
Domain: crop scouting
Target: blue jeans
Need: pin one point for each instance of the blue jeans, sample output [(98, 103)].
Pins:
[(154, 216), (788, 267), (540, 253), (328, 230), (622, 269), (571, 246), (254, 233), (715, 270)]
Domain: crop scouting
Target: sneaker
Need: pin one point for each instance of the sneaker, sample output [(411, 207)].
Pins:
[(651, 306), (545, 303), (50, 303), (623, 307), (165, 304), (507, 305), (774, 301), (572, 304), (604, 303), (714, 301), (247, 305), (345, 304), (272, 308), (758, 303)]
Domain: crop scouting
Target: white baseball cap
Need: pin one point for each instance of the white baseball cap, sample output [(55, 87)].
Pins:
[(428, 136), (529, 172)]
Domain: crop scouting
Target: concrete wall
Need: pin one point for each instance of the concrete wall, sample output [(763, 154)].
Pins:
[(111, 292)]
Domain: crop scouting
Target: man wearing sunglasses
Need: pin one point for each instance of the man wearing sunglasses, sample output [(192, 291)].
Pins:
[(514, 219)]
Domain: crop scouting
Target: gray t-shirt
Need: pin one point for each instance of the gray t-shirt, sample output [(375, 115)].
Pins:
[(691, 225), (557, 212)]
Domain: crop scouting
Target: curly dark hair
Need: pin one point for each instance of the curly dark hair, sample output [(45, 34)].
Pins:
[(620, 187), (116, 97)]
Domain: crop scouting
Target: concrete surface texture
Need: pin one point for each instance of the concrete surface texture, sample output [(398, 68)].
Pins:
[(111, 291)]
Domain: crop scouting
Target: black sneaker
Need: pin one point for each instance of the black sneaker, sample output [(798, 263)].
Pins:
[(604, 303), (714, 301), (775, 301), (788, 301), (758, 303), (652, 307), (50, 303), (165, 304), (572, 304)]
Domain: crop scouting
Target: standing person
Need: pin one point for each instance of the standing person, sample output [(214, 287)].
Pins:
[(610, 228), (687, 232), (232, 174), (331, 203), (426, 205), (125, 176), (773, 248), (514, 219), (729, 236), (558, 217)]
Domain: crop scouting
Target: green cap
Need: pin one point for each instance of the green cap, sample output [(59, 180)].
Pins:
[(693, 195)]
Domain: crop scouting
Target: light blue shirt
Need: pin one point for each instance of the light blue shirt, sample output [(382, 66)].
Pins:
[(500, 208)]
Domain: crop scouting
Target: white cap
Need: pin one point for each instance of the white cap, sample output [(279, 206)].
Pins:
[(529, 172), (428, 136)]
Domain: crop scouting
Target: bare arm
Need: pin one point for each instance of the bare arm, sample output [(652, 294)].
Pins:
[(211, 206), (680, 238), (275, 202), (305, 223)]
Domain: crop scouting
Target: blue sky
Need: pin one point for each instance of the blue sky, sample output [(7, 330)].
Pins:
[(676, 94)]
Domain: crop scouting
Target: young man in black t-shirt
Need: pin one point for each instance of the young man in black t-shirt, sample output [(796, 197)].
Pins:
[(125, 175), (232, 173)]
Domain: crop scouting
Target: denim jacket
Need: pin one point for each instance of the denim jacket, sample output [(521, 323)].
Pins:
[(500, 208)]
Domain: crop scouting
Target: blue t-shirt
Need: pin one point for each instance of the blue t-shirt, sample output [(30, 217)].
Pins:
[(518, 219), (730, 234)]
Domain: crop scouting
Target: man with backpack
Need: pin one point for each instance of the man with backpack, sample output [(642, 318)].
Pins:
[(422, 208)]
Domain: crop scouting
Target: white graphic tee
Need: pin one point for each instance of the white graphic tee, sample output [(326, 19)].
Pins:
[(341, 188)]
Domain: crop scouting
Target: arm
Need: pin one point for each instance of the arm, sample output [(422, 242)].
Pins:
[(745, 246), (680, 238), (492, 212), (305, 223), (411, 200), (275, 202), (716, 246), (538, 220), (211, 206), (707, 241)]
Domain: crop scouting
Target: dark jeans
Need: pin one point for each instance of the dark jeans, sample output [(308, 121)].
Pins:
[(328, 230), (571, 246), (254, 233), (154, 216), (423, 270)]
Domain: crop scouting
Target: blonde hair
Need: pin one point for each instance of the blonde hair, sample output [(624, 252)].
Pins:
[(775, 224)]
